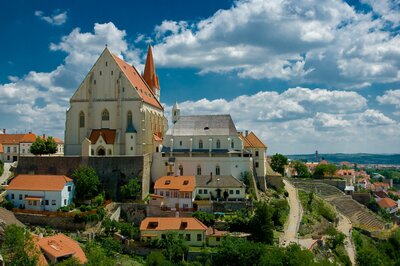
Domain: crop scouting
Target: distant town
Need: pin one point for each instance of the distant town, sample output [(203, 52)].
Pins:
[(127, 187)]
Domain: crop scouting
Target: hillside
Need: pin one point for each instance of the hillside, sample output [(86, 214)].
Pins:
[(359, 158)]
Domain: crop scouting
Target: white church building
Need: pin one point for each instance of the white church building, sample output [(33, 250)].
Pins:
[(116, 110)]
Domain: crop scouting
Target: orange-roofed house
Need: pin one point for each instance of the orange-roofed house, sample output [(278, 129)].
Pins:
[(258, 150), (60, 247), (117, 109), (40, 192), (178, 191), (388, 204), (188, 228)]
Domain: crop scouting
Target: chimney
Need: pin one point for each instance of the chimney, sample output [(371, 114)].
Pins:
[(246, 133)]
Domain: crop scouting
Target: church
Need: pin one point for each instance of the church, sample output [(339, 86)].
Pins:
[(116, 110)]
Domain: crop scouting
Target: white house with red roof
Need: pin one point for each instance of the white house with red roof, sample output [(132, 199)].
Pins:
[(117, 109), (40, 192)]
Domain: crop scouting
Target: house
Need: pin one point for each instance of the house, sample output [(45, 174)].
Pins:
[(258, 150), (191, 230), (226, 188), (14, 145), (377, 186), (177, 191), (40, 192), (60, 247), (214, 236), (388, 204), (116, 109)]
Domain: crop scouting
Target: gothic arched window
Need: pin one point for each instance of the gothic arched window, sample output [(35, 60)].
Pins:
[(198, 170), (218, 144), (217, 170), (105, 115), (200, 144), (81, 119), (129, 119)]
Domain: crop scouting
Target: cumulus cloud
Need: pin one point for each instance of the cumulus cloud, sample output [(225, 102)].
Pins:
[(38, 100), (387, 9), (391, 97), (57, 18), (297, 41)]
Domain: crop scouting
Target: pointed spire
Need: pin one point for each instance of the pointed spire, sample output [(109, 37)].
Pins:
[(149, 74)]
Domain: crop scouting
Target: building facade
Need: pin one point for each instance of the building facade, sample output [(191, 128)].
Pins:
[(40, 192), (116, 109)]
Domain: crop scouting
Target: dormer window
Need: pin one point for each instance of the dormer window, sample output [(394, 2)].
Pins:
[(167, 182), (186, 182)]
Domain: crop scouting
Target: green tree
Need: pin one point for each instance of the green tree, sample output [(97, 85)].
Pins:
[(278, 162), (1, 167), (325, 170), (18, 247), (301, 169), (206, 218), (43, 146), (157, 258), (86, 183), (174, 248), (334, 237), (97, 256), (260, 225), (38, 147), (131, 190)]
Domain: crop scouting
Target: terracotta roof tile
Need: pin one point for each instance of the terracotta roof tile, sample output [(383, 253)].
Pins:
[(61, 245), (39, 182), (386, 203), (17, 138), (252, 141), (107, 134), (181, 183), (1, 148), (157, 138), (171, 223), (28, 138), (138, 82)]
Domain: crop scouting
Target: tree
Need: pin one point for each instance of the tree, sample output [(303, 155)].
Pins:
[(301, 169), (278, 162), (206, 218), (260, 225), (335, 238), (157, 258), (43, 146), (18, 247), (173, 247), (96, 255), (130, 190), (325, 170), (86, 183)]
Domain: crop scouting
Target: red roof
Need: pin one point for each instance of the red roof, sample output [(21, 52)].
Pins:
[(252, 141), (39, 182), (138, 82), (1, 148), (386, 203), (61, 245), (171, 223), (150, 75), (17, 138), (107, 134), (181, 183)]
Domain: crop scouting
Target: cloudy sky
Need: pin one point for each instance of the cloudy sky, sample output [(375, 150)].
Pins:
[(304, 75)]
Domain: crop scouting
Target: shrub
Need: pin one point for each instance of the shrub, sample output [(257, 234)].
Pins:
[(8, 205)]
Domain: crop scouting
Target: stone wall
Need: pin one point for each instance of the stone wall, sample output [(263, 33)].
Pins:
[(275, 181), (114, 171), (57, 222), (362, 197)]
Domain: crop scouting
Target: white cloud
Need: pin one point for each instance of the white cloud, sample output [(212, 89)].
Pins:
[(391, 97), (57, 18), (299, 41), (387, 9), (38, 100)]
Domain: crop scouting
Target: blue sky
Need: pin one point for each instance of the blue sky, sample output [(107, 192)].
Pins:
[(303, 75)]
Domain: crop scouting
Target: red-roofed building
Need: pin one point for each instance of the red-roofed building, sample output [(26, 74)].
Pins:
[(178, 191), (388, 204), (188, 228), (40, 192), (14, 145), (117, 109), (258, 150), (60, 247)]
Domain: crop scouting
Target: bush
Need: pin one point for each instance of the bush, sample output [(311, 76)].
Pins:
[(8, 205)]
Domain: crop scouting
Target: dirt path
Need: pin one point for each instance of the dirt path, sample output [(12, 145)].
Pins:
[(6, 173), (295, 214), (345, 227)]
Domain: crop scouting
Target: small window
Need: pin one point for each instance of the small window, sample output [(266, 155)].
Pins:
[(20, 196), (105, 115), (53, 202), (180, 143), (167, 182), (8, 149), (218, 144), (256, 164), (131, 138), (187, 195), (100, 72), (205, 191), (232, 144), (231, 191), (200, 191), (23, 150), (81, 119), (131, 148), (198, 170), (186, 182), (12, 196), (237, 192), (256, 153), (217, 170), (187, 237), (15, 149), (167, 193), (65, 202), (161, 193), (106, 63), (163, 236), (94, 82), (200, 144), (199, 237), (123, 89), (112, 72), (46, 202), (69, 188)]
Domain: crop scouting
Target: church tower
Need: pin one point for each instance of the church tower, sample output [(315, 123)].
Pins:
[(176, 113), (150, 75)]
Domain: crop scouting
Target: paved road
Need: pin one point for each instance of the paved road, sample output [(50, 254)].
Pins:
[(295, 214), (6, 173), (345, 227)]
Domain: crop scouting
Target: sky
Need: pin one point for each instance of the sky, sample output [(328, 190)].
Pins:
[(303, 75)]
